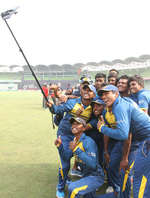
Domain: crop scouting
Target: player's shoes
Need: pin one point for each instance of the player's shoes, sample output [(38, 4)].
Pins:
[(109, 189)]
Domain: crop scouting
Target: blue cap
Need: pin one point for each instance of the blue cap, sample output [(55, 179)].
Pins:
[(107, 88), (98, 101), (91, 87)]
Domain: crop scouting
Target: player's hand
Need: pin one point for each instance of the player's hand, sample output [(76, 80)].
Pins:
[(58, 141), (107, 158), (100, 122), (124, 165), (63, 98), (79, 111), (50, 103), (72, 145)]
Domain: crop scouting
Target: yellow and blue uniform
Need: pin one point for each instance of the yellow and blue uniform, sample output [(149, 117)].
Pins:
[(96, 136), (129, 117), (93, 177), (142, 98), (70, 109), (112, 171)]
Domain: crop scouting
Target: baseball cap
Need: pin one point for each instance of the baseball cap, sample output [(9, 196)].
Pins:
[(98, 101), (79, 120), (85, 80), (107, 88), (91, 87)]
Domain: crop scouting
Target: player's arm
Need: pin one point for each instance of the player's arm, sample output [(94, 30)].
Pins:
[(143, 103), (89, 156), (65, 153), (121, 130), (64, 107), (91, 124), (125, 153), (106, 154)]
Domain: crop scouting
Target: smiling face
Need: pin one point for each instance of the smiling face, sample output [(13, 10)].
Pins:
[(77, 128), (109, 97), (86, 93), (97, 109), (99, 82), (135, 87), (123, 85), (112, 81)]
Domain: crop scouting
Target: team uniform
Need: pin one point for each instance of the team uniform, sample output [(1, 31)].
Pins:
[(130, 118), (112, 171), (96, 136), (142, 98), (93, 176), (64, 130)]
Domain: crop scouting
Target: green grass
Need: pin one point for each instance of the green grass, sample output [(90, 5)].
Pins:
[(28, 157), (29, 162)]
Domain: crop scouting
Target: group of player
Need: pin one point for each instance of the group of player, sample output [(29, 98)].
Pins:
[(106, 126)]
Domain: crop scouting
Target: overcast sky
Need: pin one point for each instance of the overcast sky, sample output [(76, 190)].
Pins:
[(73, 31)]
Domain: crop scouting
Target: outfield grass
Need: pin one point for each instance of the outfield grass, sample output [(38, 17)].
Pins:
[(29, 162), (28, 158)]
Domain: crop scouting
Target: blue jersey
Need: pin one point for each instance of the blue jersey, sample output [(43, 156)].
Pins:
[(142, 98), (87, 153), (70, 108), (126, 117)]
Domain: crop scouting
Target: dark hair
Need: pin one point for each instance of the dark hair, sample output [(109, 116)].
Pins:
[(100, 75), (138, 79), (114, 70), (112, 76), (123, 77)]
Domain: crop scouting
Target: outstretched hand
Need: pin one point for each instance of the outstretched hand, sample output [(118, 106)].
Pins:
[(80, 110), (50, 103), (124, 165), (72, 145)]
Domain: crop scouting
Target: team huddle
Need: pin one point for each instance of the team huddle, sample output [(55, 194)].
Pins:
[(106, 127)]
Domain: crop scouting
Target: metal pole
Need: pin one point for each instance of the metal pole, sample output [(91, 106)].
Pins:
[(20, 49)]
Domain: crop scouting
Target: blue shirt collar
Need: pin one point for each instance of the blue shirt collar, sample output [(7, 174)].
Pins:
[(116, 101)]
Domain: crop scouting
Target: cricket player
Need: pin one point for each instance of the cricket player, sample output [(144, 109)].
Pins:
[(85, 149), (91, 127), (129, 118), (140, 95), (73, 108)]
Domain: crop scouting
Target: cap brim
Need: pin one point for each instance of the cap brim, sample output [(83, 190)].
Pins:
[(97, 102), (101, 91), (73, 119)]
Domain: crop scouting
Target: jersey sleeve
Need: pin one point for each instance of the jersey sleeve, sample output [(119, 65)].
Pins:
[(89, 156), (65, 107), (122, 125), (143, 102)]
